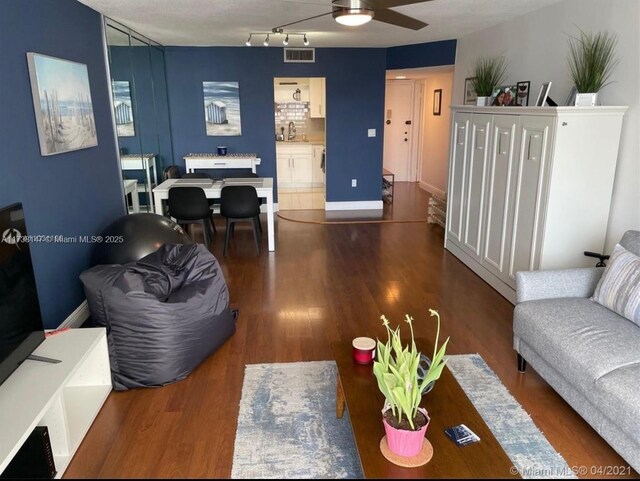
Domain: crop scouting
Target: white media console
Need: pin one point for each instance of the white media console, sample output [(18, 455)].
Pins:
[(65, 397)]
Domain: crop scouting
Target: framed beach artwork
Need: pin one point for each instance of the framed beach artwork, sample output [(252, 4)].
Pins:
[(222, 108), (470, 95), (122, 108), (62, 104)]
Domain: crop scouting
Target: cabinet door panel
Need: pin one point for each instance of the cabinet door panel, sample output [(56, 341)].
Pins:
[(301, 173), (529, 197), (496, 249), (284, 169), (457, 177), (316, 168), (476, 168)]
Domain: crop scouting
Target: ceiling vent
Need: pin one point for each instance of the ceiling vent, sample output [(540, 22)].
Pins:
[(299, 55)]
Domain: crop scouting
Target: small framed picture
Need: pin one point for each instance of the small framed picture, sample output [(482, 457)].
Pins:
[(543, 94), (437, 101), (522, 97), (571, 98), (504, 96), (470, 95)]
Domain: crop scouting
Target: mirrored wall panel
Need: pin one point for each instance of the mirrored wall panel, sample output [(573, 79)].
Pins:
[(141, 112)]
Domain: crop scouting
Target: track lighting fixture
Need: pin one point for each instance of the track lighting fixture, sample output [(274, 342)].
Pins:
[(278, 31)]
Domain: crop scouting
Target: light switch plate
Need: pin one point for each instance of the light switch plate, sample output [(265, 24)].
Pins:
[(371, 132)]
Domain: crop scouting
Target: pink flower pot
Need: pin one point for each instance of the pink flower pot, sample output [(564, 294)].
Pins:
[(405, 443)]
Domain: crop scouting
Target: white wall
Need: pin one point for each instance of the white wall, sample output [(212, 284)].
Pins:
[(434, 154), (536, 48)]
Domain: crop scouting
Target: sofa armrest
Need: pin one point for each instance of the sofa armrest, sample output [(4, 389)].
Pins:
[(533, 285)]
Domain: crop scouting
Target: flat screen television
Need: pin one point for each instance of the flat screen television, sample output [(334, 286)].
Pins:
[(21, 328)]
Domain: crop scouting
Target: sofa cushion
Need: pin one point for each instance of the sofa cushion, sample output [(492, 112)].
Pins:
[(581, 339), (619, 286), (617, 394)]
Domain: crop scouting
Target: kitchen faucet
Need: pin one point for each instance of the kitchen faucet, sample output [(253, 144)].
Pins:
[(292, 131)]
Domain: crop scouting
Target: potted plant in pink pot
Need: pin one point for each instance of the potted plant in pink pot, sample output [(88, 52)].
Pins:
[(396, 370)]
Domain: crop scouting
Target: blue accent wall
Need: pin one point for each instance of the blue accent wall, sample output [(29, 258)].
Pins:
[(70, 194), (355, 89), (430, 54)]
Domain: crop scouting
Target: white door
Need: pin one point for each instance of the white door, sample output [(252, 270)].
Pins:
[(398, 117), (457, 176)]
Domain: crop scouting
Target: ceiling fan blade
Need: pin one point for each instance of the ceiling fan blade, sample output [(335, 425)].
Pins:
[(393, 3), (395, 18)]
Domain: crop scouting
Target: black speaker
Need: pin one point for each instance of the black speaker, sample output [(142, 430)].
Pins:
[(34, 459)]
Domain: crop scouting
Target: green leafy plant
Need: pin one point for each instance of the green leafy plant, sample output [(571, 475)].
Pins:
[(396, 370), (488, 72), (591, 60)]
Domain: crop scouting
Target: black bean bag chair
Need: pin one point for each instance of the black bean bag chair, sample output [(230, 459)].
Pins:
[(164, 314)]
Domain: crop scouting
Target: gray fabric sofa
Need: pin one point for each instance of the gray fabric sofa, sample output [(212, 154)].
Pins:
[(589, 354)]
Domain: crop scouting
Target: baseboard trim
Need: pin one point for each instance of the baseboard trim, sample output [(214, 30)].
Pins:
[(430, 188), (77, 318), (354, 205)]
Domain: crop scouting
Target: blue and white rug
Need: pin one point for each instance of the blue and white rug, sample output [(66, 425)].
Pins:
[(287, 425)]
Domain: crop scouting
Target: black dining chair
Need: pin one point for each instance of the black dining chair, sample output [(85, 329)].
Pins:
[(189, 205), (240, 203)]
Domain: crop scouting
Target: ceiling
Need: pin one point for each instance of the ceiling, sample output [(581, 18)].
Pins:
[(228, 22)]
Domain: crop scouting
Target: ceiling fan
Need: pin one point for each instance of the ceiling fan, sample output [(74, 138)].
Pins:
[(358, 12)]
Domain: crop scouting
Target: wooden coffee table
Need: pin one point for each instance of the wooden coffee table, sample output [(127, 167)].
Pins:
[(447, 405)]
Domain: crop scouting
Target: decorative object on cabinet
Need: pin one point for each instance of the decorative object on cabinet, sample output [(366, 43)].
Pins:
[(591, 62), (470, 95), (122, 108), (437, 101), (437, 210), (62, 104), (504, 96), (522, 96), (543, 95), (222, 108), (571, 98), (488, 72), (529, 188)]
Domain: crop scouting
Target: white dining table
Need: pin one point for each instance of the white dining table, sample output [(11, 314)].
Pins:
[(213, 189), (131, 187)]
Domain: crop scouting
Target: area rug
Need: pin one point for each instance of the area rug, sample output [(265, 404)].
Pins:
[(287, 425)]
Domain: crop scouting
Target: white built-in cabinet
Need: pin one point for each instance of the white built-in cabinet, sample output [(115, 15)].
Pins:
[(529, 188), (317, 97), (295, 162), (317, 175)]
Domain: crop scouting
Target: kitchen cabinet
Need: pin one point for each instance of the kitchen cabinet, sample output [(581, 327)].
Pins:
[(529, 188), (317, 175), (294, 162), (317, 97)]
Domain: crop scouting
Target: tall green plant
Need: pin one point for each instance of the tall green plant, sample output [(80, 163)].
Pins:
[(488, 72), (591, 60), (396, 370)]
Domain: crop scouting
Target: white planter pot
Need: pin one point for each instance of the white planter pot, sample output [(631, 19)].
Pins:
[(586, 100), (482, 101)]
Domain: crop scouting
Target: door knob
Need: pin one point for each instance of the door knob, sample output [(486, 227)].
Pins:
[(406, 140)]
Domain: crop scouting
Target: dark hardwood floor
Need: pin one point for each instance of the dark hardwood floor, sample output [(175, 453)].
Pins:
[(323, 284)]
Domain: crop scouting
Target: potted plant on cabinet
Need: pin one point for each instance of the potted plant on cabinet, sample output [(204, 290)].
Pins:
[(591, 62), (396, 370), (488, 72)]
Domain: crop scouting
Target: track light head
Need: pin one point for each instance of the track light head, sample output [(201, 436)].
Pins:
[(266, 41), (285, 42), (306, 40), (248, 42)]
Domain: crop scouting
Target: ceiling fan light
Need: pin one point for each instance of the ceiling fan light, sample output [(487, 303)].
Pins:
[(353, 17)]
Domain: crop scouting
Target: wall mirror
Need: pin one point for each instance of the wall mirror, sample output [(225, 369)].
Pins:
[(140, 111)]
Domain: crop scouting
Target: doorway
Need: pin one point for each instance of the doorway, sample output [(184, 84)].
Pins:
[(300, 115), (417, 126)]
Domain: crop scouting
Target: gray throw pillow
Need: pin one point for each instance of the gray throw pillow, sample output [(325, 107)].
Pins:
[(619, 287)]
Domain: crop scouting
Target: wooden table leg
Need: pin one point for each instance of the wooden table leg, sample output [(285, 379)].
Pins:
[(340, 401)]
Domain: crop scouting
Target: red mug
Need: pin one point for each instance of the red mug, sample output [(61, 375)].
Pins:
[(364, 350)]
